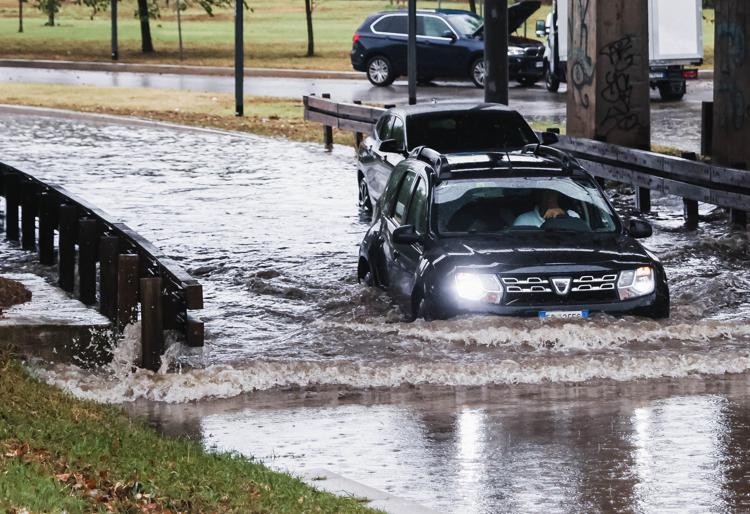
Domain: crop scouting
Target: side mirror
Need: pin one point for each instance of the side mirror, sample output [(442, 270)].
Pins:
[(550, 138), (392, 146), (541, 28), (405, 235), (639, 229), (448, 34)]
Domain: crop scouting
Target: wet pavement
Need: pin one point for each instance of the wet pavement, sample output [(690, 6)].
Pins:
[(476, 414), (675, 124)]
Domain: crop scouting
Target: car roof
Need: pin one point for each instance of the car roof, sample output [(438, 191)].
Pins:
[(444, 12), (443, 107)]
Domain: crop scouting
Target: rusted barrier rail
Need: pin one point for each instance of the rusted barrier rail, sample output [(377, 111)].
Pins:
[(132, 277), (688, 178)]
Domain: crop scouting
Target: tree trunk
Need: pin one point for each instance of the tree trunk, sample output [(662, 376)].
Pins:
[(147, 46), (310, 39), (50, 14), (473, 6), (20, 15)]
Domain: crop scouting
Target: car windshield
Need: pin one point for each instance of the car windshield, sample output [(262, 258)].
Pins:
[(499, 205), (469, 131), (465, 24)]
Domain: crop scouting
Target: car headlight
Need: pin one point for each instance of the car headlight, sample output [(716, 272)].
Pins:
[(516, 51), (479, 287), (635, 283)]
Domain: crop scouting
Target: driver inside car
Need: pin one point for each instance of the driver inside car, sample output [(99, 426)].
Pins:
[(547, 207)]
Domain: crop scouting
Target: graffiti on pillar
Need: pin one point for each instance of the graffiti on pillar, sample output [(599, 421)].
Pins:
[(732, 47), (617, 91), (581, 63)]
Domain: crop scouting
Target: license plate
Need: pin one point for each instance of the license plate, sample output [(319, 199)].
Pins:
[(654, 76), (539, 64), (564, 314)]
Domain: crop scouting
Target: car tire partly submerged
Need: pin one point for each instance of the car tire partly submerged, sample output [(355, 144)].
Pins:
[(379, 71)]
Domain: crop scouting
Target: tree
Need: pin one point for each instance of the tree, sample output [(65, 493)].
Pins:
[(20, 15), (144, 15), (52, 7), (310, 39), (473, 6)]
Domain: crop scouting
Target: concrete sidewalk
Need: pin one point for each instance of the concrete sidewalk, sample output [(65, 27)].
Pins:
[(178, 69)]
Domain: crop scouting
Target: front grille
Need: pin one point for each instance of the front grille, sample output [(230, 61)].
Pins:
[(535, 52), (585, 288)]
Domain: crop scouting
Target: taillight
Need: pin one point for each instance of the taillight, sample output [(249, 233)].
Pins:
[(355, 38), (690, 74)]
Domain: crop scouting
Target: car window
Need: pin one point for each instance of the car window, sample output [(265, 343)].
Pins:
[(466, 24), (418, 209), (383, 129), (392, 24), (397, 129), (402, 200), (433, 27)]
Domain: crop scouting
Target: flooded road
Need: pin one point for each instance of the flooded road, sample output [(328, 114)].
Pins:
[(476, 414)]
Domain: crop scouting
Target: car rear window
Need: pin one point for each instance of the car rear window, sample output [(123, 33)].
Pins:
[(469, 131), (391, 24)]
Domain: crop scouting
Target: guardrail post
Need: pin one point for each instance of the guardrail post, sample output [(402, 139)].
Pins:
[(690, 207), (46, 229), (707, 128), (738, 219), (28, 216), (152, 330), (12, 184), (87, 236), (67, 261), (109, 248), (327, 131), (127, 290), (643, 199), (195, 332), (357, 135)]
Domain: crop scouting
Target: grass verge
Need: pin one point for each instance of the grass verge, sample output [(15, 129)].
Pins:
[(60, 454), (265, 116)]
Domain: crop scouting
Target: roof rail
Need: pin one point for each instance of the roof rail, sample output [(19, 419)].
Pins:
[(567, 161), (431, 157)]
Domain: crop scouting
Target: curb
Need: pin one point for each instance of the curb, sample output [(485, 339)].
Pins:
[(325, 480), (178, 69)]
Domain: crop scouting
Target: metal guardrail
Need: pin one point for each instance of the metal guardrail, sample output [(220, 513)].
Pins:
[(131, 270), (693, 180)]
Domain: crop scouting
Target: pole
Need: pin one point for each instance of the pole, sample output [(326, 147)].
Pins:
[(412, 52), (114, 30), (496, 51), (20, 15), (239, 58), (179, 27)]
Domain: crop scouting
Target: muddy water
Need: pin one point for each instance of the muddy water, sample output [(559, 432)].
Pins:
[(271, 229)]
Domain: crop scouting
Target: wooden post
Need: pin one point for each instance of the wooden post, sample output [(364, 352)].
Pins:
[(127, 290), (496, 75), (11, 184), (47, 229), (738, 219), (643, 199), (152, 329), (327, 131), (690, 207), (109, 248), (87, 239), (358, 135), (195, 332), (707, 128), (67, 261), (28, 216)]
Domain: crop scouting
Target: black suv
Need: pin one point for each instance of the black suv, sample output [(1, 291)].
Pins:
[(450, 44), (522, 233), (445, 127)]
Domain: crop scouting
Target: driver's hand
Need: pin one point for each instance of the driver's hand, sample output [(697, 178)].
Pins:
[(554, 213)]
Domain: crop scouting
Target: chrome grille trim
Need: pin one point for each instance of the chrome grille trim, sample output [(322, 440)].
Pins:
[(589, 283)]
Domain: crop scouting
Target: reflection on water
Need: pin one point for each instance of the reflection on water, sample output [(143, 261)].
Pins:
[(645, 447)]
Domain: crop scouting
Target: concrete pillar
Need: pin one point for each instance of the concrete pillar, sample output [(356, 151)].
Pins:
[(732, 84), (608, 84)]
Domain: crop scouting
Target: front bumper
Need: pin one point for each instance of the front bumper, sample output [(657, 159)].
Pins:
[(526, 67)]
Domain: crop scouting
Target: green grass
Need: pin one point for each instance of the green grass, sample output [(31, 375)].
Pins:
[(60, 454)]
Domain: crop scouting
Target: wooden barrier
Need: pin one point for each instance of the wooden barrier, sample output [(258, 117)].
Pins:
[(693, 180), (131, 270)]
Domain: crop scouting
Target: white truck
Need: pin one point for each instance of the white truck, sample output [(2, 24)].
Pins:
[(675, 41)]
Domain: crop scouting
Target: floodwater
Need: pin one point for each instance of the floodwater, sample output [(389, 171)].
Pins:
[(305, 368)]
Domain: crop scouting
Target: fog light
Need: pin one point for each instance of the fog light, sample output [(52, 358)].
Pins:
[(479, 287), (635, 283)]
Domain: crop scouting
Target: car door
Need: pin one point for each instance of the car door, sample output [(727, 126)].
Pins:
[(439, 55), (386, 161), (371, 158), (392, 31), (393, 217), (409, 256)]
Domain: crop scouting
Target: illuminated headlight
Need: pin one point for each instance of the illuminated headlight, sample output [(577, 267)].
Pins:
[(635, 283), (515, 51), (479, 287)]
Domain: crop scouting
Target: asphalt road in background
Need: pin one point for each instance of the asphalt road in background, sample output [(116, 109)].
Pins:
[(675, 124)]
